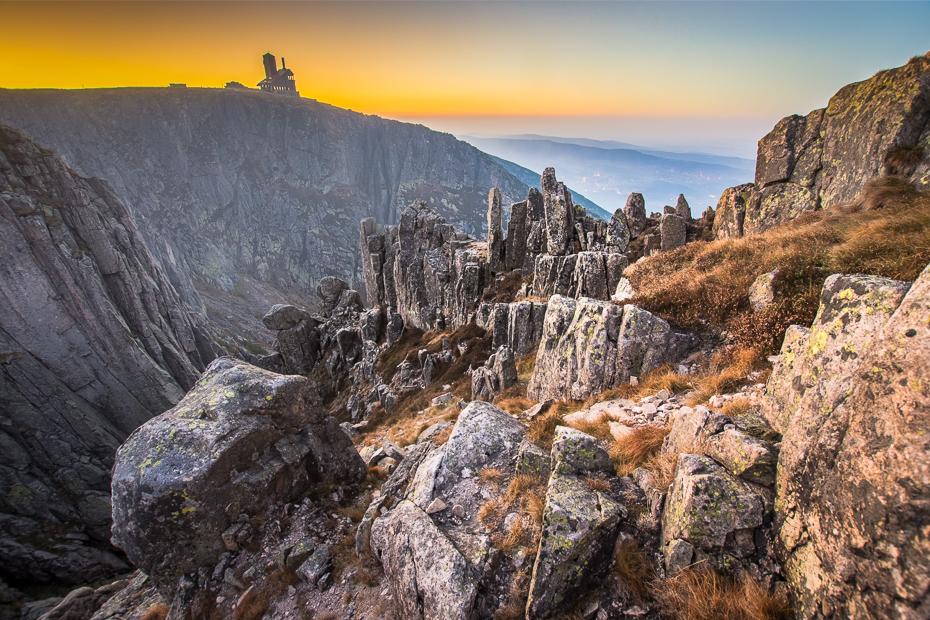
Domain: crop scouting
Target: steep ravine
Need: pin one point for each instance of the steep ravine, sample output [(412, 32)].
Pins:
[(94, 341), (228, 184)]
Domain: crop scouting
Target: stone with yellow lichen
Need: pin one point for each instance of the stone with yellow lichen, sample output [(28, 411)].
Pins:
[(242, 440)]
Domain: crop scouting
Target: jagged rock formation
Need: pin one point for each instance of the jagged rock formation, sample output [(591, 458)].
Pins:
[(242, 441), (94, 341), (852, 502), (434, 276), (825, 158), (589, 346), (444, 561), (229, 183)]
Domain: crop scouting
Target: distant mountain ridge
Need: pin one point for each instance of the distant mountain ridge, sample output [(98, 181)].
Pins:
[(709, 158), (607, 172)]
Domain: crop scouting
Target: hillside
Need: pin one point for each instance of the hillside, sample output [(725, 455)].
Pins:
[(253, 195)]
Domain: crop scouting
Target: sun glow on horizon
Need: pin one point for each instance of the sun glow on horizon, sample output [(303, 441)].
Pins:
[(482, 60)]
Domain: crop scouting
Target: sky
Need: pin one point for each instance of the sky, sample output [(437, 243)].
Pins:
[(698, 74)]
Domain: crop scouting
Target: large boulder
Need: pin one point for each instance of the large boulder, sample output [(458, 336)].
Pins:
[(827, 157), (853, 507), (618, 232), (559, 212), (580, 524), (433, 554), (820, 360), (589, 346), (240, 442), (674, 231), (711, 510), (635, 212)]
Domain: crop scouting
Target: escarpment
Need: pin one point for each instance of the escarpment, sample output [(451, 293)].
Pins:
[(231, 186), (94, 341)]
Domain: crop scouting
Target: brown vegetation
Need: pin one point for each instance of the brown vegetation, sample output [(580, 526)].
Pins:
[(490, 475), (703, 594), (634, 570), (156, 612), (597, 484), (888, 235), (637, 448), (903, 160), (254, 605)]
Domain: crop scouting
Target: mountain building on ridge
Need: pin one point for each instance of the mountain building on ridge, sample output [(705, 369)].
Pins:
[(277, 81)]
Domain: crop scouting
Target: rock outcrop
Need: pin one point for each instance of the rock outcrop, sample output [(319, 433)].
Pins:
[(242, 441), (434, 276), (826, 158), (589, 346), (94, 341), (852, 508)]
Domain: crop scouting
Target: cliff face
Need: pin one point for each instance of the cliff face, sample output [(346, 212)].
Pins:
[(94, 341), (226, 183), (877, 127)]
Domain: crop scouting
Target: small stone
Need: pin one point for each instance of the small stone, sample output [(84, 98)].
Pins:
[(663, 395), (388, 465), (649, 409), (459, 511), (437, 505)]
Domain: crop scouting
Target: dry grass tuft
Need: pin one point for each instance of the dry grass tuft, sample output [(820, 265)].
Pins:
[(492, 476), (597, 484), (730, 371), (515, 608), (709, 281), (599, 428), (634, 570), (254, 606), (156, 612), (665, 377), (542, 428), (512, 400), (442, 436), (736, 407), (637, 448), (704, 594), (662, 467), (902, 160)]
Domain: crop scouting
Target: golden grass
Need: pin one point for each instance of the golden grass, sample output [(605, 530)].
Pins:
[(634, 570), (515, 607), (490, 475), (665, 377), (736, 407), (528, 494), (597, 484), (542, 428), (888, 235), (662, 467), (442, 436), (526, 365), (254, 606), (729, 372), (703, 594), (637, 448), (156, 612)]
